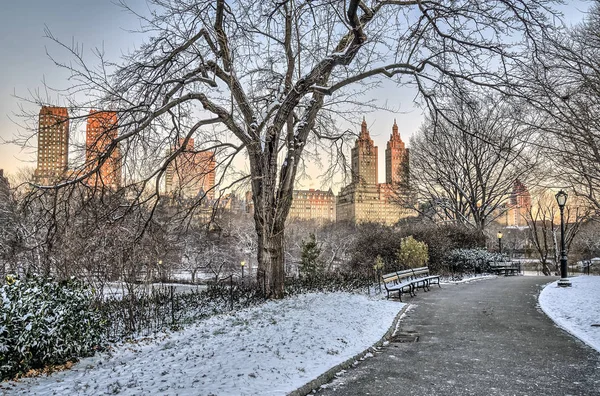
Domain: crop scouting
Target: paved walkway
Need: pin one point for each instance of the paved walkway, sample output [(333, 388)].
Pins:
[(483, 338)]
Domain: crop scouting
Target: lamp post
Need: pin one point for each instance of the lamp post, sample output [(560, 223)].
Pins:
[(243, 263), (561, 199), (500, 241)]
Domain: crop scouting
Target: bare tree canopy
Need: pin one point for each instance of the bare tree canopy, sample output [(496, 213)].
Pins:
[(564, 86), (269, 81), (465, 161)]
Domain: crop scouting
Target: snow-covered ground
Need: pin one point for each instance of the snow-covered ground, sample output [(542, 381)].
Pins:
[(576, 309), (271, 349)]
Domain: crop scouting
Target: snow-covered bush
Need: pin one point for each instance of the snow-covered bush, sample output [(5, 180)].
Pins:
[(43, 322), (471, 260)]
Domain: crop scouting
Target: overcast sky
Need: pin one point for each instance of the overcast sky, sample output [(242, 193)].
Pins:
[(101, 23)]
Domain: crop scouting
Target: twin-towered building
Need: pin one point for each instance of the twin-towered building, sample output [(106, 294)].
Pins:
[(365, 199), (102, 156)]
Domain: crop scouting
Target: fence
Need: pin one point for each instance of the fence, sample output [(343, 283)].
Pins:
[(154, 309)]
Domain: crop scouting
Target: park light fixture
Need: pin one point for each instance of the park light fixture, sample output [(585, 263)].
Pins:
[(243, 264), (500, 241), (561, 199)]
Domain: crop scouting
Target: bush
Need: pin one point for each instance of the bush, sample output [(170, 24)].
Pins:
[(373, 240), (471, 260), (442, 239), (43, 322), (412, 253)]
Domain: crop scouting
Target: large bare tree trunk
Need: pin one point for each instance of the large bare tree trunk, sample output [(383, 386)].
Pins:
[(271, 260)]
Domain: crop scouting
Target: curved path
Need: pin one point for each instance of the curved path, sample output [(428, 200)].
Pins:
[(483, 338)]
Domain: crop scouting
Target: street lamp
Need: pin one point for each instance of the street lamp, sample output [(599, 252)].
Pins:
[(561, 199), (243, 263), (500, 241)]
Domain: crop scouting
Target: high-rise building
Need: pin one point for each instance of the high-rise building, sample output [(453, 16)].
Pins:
[(396, 157), (518, 205), (53, 144), (364, 158), (314, 205), (364, 199), (192, 173), (4, 187), (101, 131)]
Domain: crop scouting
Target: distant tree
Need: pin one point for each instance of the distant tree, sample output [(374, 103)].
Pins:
[(543, 220), (564, 89), (311, 265), (464, 163)]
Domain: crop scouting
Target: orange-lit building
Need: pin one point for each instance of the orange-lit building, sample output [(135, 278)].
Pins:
[(313, 204), (192, 173), (517, 207), (53, 144), (366, 200), (101, 131)]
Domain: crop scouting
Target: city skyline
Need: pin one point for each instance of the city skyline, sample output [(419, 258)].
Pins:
[(105, 26)]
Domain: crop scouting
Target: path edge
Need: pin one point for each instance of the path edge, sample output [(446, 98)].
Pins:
[(331, 373)]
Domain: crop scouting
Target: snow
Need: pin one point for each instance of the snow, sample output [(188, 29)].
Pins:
[(467, 279), (271, 349), (575, 308)]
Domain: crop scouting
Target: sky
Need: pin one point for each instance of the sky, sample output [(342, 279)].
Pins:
[(101, 23)]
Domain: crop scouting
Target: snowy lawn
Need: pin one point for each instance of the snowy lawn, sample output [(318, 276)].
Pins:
[(271, 349), (576, 309)]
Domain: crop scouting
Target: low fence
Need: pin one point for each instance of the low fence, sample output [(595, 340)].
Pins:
[(152, 309)]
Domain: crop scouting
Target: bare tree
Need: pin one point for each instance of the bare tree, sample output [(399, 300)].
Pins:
[(543, 221), (464, 162), (564, 87), (269, 81)]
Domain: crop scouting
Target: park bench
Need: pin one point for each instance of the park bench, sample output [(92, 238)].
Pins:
[(426, 279), (399, 281), (409, 280), (505, 267)]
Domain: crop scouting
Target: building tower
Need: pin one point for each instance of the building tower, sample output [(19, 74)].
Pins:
[(395, 154), (101, 131), (519, 203), (53, 144), (364, 158), (192, 173)]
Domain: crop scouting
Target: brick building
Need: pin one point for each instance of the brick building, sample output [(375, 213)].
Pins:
[(192, 173), (517, 206), (313, 204), (53, 145), (101, 131), (365, 199)]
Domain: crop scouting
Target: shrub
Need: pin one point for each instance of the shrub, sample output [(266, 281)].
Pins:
[(412, 253), (43, 322), (471, 260), (373, 240)]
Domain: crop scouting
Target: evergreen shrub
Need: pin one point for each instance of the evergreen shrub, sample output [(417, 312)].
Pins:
[(44, 322)]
